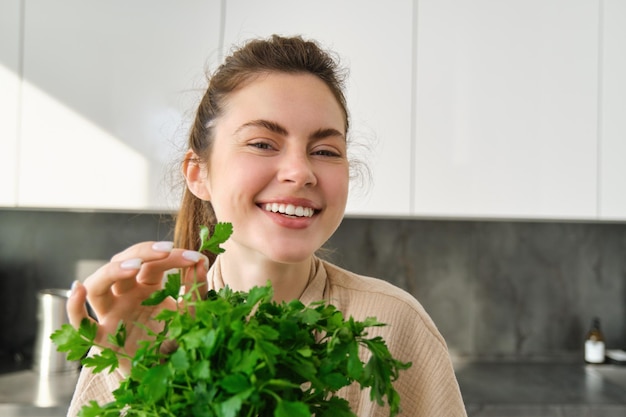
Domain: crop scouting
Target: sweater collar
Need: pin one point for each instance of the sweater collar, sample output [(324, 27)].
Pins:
[(315, 290)]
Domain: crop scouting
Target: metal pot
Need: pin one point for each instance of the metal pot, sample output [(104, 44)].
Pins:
[(51, 315)]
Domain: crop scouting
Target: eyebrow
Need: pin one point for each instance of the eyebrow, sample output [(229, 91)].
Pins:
[(325, 133), (277, 128)]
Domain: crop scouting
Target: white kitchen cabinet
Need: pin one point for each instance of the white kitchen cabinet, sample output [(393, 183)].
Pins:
[(506, 111), (108, 91), (373, 39), (613, 111), (10, 30)]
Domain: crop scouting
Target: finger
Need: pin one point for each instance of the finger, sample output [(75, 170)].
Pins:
[(76, 306), (195, 279), (152, 272), (148, 251), (142, 252), (99, 284), (123, 285), (118, 276)]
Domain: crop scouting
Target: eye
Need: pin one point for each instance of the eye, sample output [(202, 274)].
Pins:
[(261, 145), (329, 149), (327, 152)]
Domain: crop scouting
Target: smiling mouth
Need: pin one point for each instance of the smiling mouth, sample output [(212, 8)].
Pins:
[(289, 209)]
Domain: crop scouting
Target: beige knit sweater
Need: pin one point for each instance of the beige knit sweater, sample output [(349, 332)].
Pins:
[(427, 389)]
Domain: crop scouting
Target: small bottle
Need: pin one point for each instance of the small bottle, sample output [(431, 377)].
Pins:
[(594, 343)]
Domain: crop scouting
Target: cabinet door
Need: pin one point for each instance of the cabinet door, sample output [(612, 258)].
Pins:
[(10, 26), (506, 114), (373, 39), (109, 88), (613, 112)]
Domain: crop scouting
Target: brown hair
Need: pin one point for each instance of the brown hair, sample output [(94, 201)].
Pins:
[(275, 54)]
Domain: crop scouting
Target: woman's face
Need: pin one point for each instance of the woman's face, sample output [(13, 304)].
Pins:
[(278, 169)]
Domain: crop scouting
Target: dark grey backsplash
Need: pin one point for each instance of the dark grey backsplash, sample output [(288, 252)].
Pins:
[(44, 249), (495, 289), (501, 289)]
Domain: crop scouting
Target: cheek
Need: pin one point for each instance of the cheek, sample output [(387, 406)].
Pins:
[(337, 185), (239, 181)]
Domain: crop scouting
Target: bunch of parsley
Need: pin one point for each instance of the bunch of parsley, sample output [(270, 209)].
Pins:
[(239, 354)]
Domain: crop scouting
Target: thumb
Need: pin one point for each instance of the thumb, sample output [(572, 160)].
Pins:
[(195, 277), (76, 306)]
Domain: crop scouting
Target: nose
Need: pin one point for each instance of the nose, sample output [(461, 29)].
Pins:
[(296, 168)]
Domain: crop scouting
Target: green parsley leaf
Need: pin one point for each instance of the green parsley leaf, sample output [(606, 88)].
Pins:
[(119, 337), (107, 359), (76, 342), (170, 289), (292, 409), (221, 233)]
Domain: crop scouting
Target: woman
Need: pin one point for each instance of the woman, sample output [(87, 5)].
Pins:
[(268, 153)]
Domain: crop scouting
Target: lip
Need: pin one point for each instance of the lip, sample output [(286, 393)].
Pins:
[(304, 202), (290, 222)]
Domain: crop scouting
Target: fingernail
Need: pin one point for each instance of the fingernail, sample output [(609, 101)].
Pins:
[(73, 287), (134, 263), (163, 246), (191, 255)]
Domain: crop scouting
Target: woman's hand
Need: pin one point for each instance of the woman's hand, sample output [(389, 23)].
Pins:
[(116, 290)]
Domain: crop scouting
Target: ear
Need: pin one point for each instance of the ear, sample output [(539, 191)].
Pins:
[(196, 176)]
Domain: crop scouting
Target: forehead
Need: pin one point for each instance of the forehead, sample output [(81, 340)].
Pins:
[(285, 98)]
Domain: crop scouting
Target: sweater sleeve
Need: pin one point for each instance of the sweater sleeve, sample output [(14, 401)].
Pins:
[(94, 387), (429, 387)]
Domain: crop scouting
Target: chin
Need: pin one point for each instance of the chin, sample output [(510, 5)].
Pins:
[(290, 257), (290, 251)]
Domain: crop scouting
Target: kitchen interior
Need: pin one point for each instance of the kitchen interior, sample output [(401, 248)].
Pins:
[(493, 133)]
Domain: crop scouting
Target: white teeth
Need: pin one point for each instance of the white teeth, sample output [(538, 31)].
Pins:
[(289, 209)]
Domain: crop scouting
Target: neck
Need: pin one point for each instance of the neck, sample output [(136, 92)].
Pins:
[(288, 279)]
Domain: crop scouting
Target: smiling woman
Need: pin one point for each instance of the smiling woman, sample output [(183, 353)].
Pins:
[(285, 145), (268, 153)]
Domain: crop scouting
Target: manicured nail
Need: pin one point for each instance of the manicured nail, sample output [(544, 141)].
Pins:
[(163, 246), (73, 287), (191, 255), (134, 263)]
